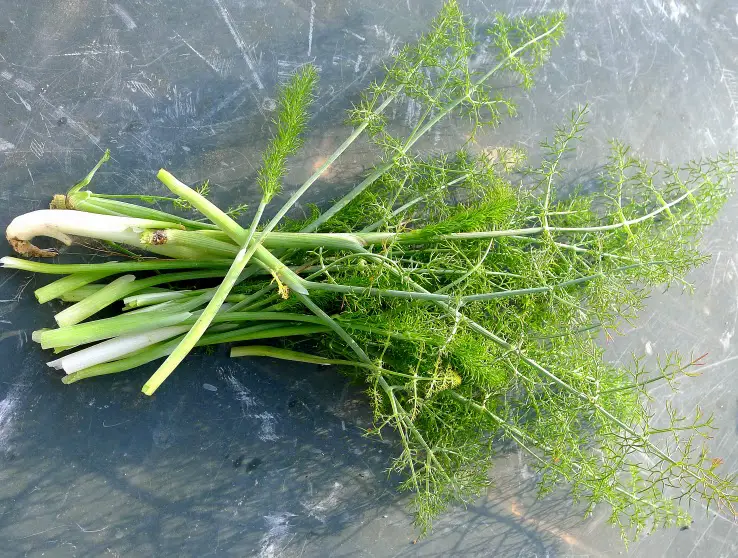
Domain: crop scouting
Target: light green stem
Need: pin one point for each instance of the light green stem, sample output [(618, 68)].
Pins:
[(67, 284), (417, 134), (250, 299), (110, 267), (201, 325), (93, 203), (106, 328), (336, 327), (377, 224), (155, 352), (147, 299), (107, 297), (213, 247), (203, 205), (94, 303), (83, 292), (294, 356)]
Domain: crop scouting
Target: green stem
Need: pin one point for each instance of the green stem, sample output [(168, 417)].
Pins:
[(87, 179), (260, 317), (328, 162), (264, 333), (83, 292), (60, 287), (381, 238), (189, 239), (107, 297), (438, 297), (94, 303), (203, 322), (417, 134), (203, 205), (106, 328), (95, 203), (374, 226), (294, 356), (335, 326), (155, 352), (251, 298), (110, 267)]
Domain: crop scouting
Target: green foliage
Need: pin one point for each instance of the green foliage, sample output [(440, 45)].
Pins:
[(474, 311), (293, 102), (538, 377), (203, 189)]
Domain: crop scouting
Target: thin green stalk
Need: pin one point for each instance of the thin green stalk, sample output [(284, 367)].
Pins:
[(87, 179), (94, 303), (249, 334), (469, 273), (336, 327), (257, 218), (250, 299), (108, 296), (111, 267), (141, 197), (60, 287), (345, 200), (385, 237), (262, 331), (377, 224), (294, 356), (328, 162), (262, 317), (83, 292), (200, 326), (94, 203), (438, 297), (106, 328), (356, 289)]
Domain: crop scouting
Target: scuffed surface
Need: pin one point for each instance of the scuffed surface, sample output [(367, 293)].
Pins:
[(273, 461)]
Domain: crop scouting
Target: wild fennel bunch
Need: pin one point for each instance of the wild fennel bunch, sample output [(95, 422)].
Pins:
[(468, 291)]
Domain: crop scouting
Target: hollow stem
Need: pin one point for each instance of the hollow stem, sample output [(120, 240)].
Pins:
[(83, 292), (67, 284), (111, 267), (94, 303), (104, 205), (237, 233), (149, 354), (294, 356), (106, 328)]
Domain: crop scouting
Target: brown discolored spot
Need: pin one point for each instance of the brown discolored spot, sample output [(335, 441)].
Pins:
[(25, 248), (158, 238)]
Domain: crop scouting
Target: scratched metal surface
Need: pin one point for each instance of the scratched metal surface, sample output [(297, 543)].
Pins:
[(268, 459)]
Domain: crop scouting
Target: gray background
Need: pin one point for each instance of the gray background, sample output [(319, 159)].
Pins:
[(273, 463)]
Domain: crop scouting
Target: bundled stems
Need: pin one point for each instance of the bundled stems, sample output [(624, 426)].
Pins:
[(468, 303)]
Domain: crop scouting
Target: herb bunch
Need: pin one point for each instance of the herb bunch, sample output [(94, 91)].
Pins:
[(466, 291)]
